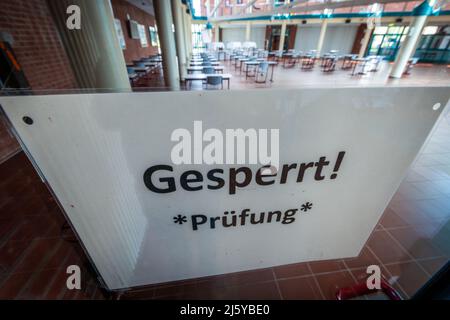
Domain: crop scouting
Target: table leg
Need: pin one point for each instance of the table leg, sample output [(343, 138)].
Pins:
[(271, 76)]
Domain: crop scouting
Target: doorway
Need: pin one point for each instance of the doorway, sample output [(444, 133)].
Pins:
[(273, 37)]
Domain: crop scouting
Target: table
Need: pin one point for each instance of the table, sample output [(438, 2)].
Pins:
[(347, 61), (272, 64), (240, 60), (250, 63), (133, 77), (141, 69), (201, 59), (219, 53), (200, 68), (308, 62), (328, 63), (362, 63), (195, 63), (289, 60), (201, 77)]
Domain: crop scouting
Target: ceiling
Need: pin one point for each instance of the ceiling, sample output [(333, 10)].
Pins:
[(146, 5)]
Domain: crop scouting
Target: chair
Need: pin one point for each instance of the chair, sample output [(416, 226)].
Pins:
[(308, 62), (208, 70), (329, 64), (132, 76), (214, 81), (262, 72)]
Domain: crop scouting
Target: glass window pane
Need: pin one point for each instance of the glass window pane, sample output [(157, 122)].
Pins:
[(380, 30)]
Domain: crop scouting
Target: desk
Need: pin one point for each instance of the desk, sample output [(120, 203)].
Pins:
[(218, 69), (289, 60), (133, 77), (308, 62), (141, 69), (362, 64), (219, 53), (328, 63), (250, 64), (347, 61), (197, 63), (201, 77), (272, 64)]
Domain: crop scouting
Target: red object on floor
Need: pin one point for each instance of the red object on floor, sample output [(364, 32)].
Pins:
[(361, 289)]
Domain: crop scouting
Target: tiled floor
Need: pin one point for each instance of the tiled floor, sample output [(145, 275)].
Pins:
[(421, 75), (410, 243), (35, 248), (8, 144)]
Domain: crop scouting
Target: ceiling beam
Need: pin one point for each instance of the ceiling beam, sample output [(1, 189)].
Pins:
[(294, 8)]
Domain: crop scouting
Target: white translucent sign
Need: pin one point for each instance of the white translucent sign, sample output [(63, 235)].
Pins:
[(343, 153)]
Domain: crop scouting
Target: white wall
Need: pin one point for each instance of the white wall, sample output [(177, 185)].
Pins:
[(339, 38), (257, 34)]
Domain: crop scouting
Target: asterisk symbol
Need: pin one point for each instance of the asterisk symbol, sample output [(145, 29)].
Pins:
[(179, 219), (306, 206)]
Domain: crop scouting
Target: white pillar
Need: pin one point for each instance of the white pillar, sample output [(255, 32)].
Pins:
[(94, 51), (282, 36), (179, 37), (186, 44), (408, 46), (248, 32), (188, 30), (323, 31), (163, 15), (365, 40)]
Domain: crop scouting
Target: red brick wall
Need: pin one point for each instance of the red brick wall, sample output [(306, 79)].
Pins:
[(358, 38), (134, 51), (37, 45)]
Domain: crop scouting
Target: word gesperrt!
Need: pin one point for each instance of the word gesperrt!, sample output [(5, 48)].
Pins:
[(158, 179)]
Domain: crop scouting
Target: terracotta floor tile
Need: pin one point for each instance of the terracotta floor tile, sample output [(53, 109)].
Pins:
[(432, 209), (386, 249), (58, 286), (57, 260), (259, 291), (10, 253), (410, 212), (304, 288), (39, 252), (416, 245), (175, 290), (13, 285), (326, 266), (439, 236), (408, 275), (38, 285), (365, 259), (292, 270), (330, 282), (392, 220), (431, 266), (7, 227), (239, 278)]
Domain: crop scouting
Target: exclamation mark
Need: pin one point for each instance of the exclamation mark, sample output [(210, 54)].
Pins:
[(338, 164)]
